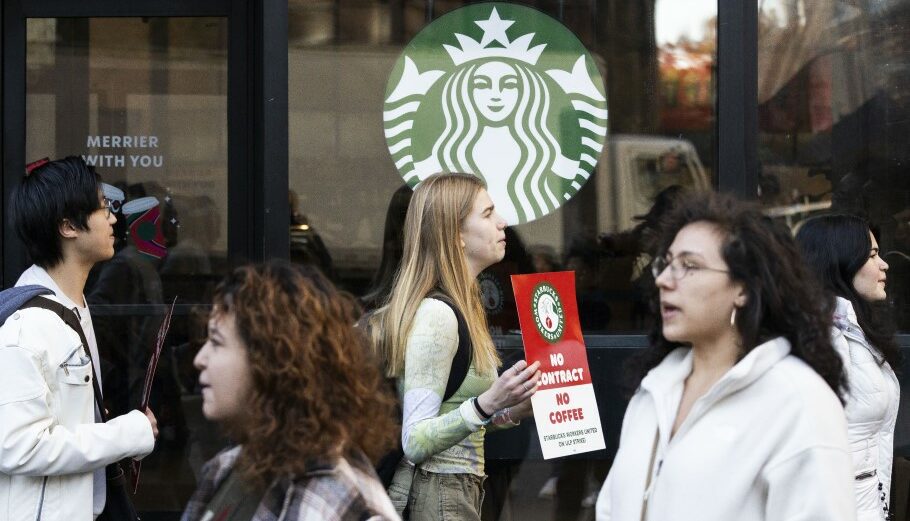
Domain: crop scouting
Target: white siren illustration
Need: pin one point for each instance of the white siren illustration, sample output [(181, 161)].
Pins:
[(527, 113)]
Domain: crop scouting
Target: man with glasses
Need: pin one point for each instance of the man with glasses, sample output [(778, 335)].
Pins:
[(54, 444)]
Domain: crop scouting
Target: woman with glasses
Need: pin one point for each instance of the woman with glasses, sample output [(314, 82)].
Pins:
[(736, 415), (843, 252)]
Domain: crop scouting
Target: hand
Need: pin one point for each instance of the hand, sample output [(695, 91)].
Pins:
[(522, 410), (515, 385), (151, 416)]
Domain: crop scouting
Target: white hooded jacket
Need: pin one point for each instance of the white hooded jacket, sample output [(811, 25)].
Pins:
[(871, 410), (50, 443), (767, 442)]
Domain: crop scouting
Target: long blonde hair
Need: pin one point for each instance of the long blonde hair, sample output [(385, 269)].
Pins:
[(434, 258)]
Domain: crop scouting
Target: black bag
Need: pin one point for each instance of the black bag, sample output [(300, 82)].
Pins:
[(386, 466), (118, 506)]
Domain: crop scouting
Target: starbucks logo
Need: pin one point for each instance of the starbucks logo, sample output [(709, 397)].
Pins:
[(546, 307), (490, 293), (506, 93)]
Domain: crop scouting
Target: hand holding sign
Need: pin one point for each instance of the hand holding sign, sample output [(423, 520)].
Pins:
[(515, 385)]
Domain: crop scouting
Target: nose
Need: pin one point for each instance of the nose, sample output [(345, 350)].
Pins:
[(199, 362), (664, 279), (884, 265), (500, 222)]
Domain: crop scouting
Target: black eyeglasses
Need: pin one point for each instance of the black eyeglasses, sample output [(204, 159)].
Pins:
[(679, 267), (109, 206)]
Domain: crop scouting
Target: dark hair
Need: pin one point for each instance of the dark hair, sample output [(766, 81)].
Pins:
[(62, 189), (836, 247), (318, 393), (392, 248), (783, 299)]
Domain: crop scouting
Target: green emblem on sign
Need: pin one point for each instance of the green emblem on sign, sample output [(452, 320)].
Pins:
[(546, 307), (504, 92)]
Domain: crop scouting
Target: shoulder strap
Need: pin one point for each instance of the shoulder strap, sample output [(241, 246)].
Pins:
[(462, 360), (69, 318)]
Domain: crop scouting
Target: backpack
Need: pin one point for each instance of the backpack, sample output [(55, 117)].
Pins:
[(386, 466)]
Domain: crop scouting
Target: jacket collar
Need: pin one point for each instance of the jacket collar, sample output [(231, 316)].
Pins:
[(38, 275), (846, 322), (665, 382), (844, 314), (223, 463)]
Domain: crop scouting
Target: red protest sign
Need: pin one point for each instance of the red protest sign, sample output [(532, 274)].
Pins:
[(548, 314), (565, 406)]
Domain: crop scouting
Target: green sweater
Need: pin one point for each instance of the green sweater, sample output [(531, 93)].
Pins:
[(442, 437)]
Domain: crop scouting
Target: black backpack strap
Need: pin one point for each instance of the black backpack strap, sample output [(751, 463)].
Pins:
[(69, 318), (462, 360)]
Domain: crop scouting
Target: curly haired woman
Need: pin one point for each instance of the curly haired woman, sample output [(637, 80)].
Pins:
[(737, 414), (289, 378)]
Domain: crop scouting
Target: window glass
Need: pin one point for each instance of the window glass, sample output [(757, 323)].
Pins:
[(834, 116), (145, 101), (657, 61)]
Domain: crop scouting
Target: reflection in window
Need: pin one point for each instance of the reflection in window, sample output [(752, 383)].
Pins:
[(662, 84), (658, 59), (834, 115), (145, 101)]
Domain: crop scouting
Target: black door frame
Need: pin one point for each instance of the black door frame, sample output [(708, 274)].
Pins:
[(257, 112)]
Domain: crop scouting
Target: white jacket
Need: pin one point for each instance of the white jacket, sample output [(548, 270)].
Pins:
[(871, 410), (767, 442), (49, 441)]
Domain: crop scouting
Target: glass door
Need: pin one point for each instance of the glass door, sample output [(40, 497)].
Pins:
[(157, 96)]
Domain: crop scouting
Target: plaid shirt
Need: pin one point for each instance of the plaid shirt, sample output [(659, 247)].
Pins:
[(343, 490)]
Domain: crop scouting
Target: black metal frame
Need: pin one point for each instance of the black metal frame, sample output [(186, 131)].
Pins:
[(257, 112), (737, 97)]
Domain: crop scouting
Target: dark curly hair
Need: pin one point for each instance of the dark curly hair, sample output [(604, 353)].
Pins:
[(782, 296), (836, 247), (317, 390)]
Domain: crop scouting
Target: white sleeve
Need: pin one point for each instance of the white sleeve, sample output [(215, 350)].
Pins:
[(815, 484), (31, 441), (603, 507)]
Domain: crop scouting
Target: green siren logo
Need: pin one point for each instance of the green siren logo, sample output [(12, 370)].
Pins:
[(490, 293), (546, 307), (506, 93)]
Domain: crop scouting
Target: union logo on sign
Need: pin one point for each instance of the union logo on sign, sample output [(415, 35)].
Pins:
[(504, 92), (546, 307)]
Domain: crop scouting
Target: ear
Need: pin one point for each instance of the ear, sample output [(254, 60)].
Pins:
[(461, 240), (742, 296), (67, 230)]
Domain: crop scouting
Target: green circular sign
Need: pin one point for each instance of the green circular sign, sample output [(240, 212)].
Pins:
[(546, 308), (504, 92)]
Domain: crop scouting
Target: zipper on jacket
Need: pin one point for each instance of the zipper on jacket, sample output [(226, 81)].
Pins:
[(41, 499), (64, 365), (866, 475)]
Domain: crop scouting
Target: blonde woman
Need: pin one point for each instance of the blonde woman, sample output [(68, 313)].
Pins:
[(452, 233)]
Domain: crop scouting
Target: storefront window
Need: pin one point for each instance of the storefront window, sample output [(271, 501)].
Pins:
[(834, 115), (657, 61), (144, 100)]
